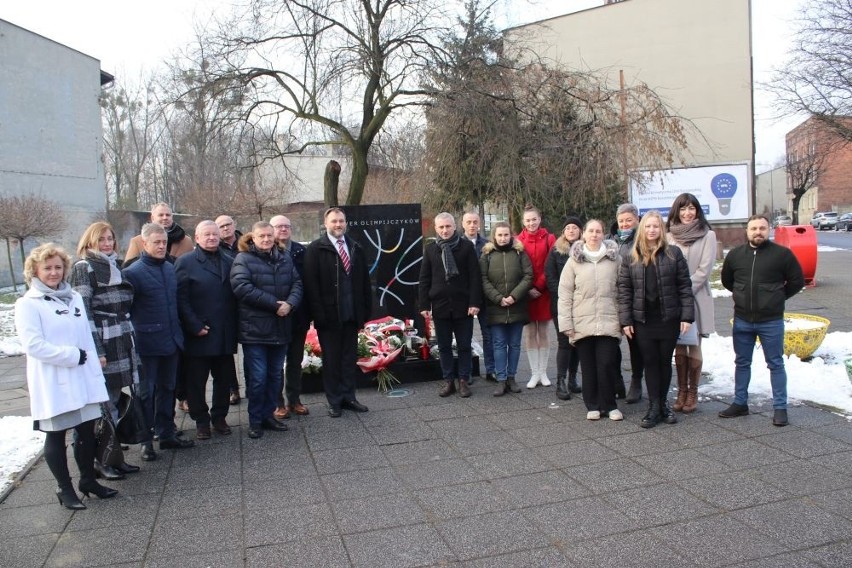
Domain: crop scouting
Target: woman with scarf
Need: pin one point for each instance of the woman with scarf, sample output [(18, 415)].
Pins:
[(567, 360), (588, 315), (624, 234), (655, 306), (506, 280), (107, 296), (450, 291), (64, 378), (689, 230), (537, 243)]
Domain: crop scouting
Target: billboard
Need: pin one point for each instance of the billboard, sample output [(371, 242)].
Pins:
[(722, 190)]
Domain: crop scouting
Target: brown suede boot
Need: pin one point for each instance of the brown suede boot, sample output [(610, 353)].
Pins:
[(448, 388), (464, 389), (692, 392), (682, 381)]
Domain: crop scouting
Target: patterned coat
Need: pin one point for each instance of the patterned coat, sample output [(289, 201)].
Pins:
[(108, 307)]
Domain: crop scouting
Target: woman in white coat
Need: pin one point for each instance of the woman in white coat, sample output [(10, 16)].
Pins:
[(64, 377), (689, 230)]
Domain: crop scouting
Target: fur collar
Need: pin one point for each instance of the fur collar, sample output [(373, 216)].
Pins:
[(489, 247), (610, 246), (562, 245)]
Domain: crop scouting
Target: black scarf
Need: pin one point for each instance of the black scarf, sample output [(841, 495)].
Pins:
[(447, 247), (175, 234), (506, 247)]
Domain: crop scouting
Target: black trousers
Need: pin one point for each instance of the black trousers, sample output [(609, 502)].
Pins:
[(293, 369), (196, 370), (339, 371), (567, 358), (657, 349), (599, 362)]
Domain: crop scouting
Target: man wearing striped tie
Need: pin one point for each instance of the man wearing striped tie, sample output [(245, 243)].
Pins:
[(340, 300)]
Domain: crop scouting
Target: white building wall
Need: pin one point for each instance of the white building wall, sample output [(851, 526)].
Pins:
[(696, 54), (50, 128)]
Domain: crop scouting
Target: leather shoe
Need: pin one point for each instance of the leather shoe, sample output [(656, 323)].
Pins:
[(779, 417), (334, 412), (202, 432), (221, 427), (282, 412), (107, 472), (490, 377), (148, 453), (274, 424), (235, 398), (255, 432), (298, 408), (354, 406), (127, 468), (734, 410), (176, 444)]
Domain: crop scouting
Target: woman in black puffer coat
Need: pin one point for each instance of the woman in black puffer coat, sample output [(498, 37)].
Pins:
[(655, 304)]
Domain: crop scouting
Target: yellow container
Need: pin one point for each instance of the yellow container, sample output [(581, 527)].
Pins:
[(802, 342)]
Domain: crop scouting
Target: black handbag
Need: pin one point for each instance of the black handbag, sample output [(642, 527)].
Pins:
[(132, 426), (108, 447)]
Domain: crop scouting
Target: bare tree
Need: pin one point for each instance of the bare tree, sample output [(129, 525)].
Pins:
[(816, 79), (28, 216), (316, 67), (509, 132)]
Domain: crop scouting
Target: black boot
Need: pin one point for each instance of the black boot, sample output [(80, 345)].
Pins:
[(512, 386), (667, 415), (653, 417), (634, 395), (448, 389), (618, 387), (68, 498), (107, 472), (55, 457), (84, 454), (573, 385), (562, 392)]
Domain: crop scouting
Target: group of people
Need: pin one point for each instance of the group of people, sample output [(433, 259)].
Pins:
[(176, 310), (648, 281)]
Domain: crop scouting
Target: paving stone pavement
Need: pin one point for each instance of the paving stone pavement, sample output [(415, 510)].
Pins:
[(522, 480)]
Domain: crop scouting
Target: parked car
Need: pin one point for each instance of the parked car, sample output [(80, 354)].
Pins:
[(844, 222), (824, 220), (782, 221)]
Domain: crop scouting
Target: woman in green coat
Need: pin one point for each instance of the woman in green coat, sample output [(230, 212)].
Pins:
[(507, 276)]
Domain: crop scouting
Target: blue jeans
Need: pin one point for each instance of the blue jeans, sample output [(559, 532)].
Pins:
[(157, 393), (771, 334), (507, 348), (487, 342), (263, 383), (462, 328)]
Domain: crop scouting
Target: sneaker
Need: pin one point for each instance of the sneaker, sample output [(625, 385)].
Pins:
[(616, 415), (593, 415), (734, 410)]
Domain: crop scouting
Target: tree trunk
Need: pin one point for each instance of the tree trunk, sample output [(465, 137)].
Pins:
[(360, 169), (23, 258), (794, 205), (330, 183), (11, 267)]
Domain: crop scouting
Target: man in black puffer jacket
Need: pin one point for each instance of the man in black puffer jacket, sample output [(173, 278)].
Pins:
[(762, 276), (268, 289)]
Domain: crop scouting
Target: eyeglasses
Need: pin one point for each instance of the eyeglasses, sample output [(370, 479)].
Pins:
[(281, 226)]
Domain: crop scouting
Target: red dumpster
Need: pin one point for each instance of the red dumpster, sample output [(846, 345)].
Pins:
[(802, 240)]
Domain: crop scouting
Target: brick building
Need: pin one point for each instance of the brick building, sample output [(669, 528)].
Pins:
[(812, 145)]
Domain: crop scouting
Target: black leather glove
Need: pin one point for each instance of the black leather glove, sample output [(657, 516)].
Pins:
[(83, 358)]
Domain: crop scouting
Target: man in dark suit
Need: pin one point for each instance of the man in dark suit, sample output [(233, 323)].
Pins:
[(340, 299), (159, 338), (471, 226), (208, 314)]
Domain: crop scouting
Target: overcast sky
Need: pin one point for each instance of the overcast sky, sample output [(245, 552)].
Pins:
[(132, 37)]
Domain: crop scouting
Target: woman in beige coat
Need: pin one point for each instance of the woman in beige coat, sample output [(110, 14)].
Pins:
[(588, 315), (689, 230)]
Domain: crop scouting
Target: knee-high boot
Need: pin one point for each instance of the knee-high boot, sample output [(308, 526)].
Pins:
[(682, 368), (532, 355), (694, 375), (84, 454), (57, 463), (543, 358)]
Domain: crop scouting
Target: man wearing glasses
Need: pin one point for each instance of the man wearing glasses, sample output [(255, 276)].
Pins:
[(301, 322), (229, 236)]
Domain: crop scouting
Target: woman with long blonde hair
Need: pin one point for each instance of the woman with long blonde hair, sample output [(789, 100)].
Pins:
[(655, 305)]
